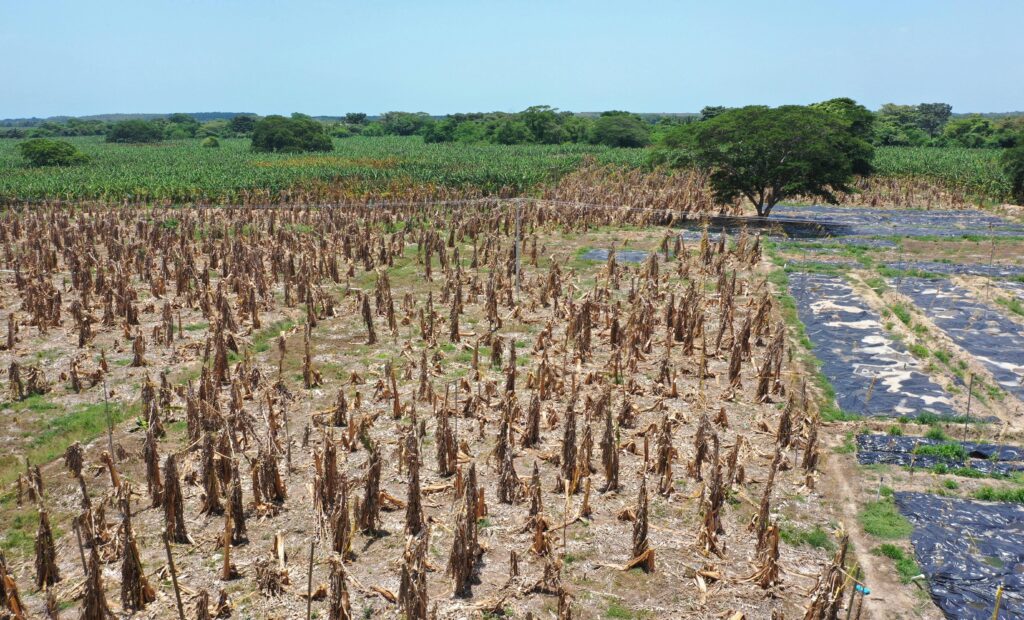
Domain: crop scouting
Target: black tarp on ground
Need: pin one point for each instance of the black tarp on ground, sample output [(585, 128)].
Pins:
[(903, 222), (963, 269), (967, 549), (872, 374), (991, 338), (818, 221), (899, 450)]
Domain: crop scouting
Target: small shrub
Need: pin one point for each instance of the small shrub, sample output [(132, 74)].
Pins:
[(816, 537), (42, 152), (210, 142), (953, 451)]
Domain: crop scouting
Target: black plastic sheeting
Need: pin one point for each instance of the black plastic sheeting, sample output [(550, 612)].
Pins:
[(991, 338), (1014, 288), (899, 450), (961, 269), (904, 222), (872, 374), (832, 221), (967, 549)]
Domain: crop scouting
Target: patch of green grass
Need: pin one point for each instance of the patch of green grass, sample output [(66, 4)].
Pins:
[(951, 484), (918, 351), (877, 284), (816, 537), (905, 564), (942, 356), (197, 327), (936, 433), (882, 519), (261, 339), (902, 313), (51, 440), (990, 494), (848, 446), (620, 611), (895, 431), (37, 403), (892, 272)]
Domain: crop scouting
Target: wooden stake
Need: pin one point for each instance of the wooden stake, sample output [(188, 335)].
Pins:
[(174, 577), (81, 548), (309, 579)]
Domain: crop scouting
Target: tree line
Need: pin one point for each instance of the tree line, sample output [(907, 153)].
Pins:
[(924, 124), (757, 153)]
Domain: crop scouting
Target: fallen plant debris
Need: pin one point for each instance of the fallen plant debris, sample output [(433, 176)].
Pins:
[(459, 433)]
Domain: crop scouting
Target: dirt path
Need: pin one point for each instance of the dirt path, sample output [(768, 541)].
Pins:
[(889, 598)]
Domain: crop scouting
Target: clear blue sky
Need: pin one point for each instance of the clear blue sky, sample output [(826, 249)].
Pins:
[(82, 57)]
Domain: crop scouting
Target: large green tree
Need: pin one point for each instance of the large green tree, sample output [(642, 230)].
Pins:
[(620, 129), (279, 134), (1013, 165), (768, 154), (44, 152), (135, 131), (242, 123), (933, 116)]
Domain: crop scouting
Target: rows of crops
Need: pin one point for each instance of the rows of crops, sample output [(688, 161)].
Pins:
[(975, 171), (182, 171)]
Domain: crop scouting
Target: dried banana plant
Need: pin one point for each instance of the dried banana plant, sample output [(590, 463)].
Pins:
[(340, 607), (610, 452), (9, 597), (211, 504), (643, 553), (136, 592), (466, 550), (369, 513), (711, 509), (174, 506), (767, 573), (47, 572), (414, 521), (828, 594), (412, 594), (151, 456), (94, 601)]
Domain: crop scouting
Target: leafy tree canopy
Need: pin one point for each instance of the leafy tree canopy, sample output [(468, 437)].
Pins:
[(404, 123), (44, 152), (709, 112), (355, 118), (620, 129), (135, 131), (242, 124), (1013, 165), (280, 134), (768, 154)]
